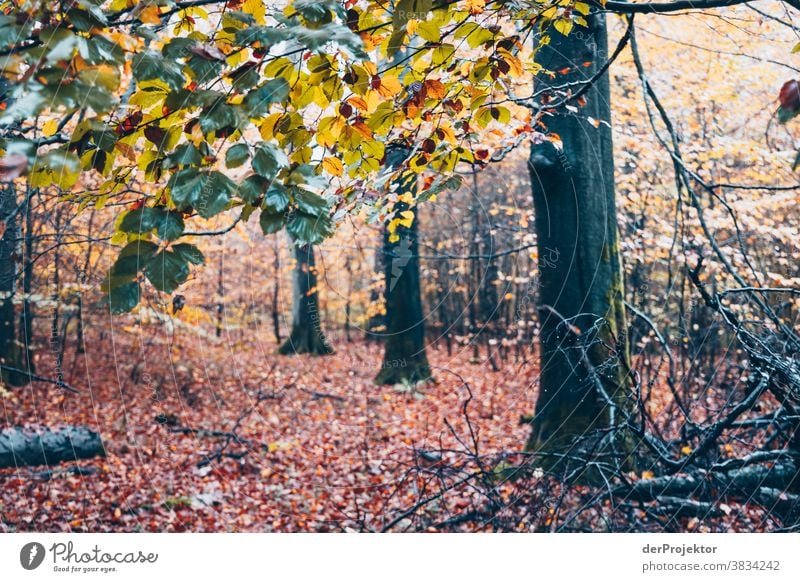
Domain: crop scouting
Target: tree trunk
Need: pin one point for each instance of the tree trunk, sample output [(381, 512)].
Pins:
[(12, 358), (220, 295), (276, 294), (404, 359), (376, 322), (19, 447), (583, 336), (306, 336)]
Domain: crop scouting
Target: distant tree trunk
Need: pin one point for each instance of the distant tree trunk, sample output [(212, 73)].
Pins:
[(404, 358), (376, 323), (580, 269), (306, 336), (349, 298), (12, 357), (220, 295), (276, 293)]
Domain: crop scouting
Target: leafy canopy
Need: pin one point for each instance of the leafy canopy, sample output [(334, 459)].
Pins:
[(189, 109)]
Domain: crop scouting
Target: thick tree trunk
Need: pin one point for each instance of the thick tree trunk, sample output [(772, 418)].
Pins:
[(583, 330), (306, 336), (404, 359), (20, 447), (11, 353)]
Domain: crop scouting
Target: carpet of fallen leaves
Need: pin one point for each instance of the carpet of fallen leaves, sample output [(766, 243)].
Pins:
[(317, 447)]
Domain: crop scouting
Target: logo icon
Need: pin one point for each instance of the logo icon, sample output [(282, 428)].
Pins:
[(31, 555), (401, 258)]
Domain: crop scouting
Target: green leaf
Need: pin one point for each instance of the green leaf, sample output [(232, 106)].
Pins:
[(123, 298), (100, 50), (271, 223), (189, 253), (277, 198), (184, 155), (140, 220), (332, 33), (258, 100), (266, 35), (167, 271), (268, 160), (252, 188), (309, 202), (237, 155), (132, 259), (220, 115), (151, 65), (185, 187), (178, 48), (308, 229), (170, 226), (215, 194)]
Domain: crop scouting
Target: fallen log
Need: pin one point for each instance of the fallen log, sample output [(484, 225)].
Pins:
[(20, 447), (742, 483)]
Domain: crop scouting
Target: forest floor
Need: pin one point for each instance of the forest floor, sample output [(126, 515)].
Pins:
[(317, 446)]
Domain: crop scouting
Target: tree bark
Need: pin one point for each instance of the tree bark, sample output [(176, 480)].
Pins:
[(11, 352), (404, 359), (276, 293), (306, 336), (20, 447), (583, 330)]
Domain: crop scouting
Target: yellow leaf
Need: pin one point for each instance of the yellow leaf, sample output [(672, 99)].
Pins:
[(476, 6), (50, 127), (257, 9), (333, 166), (390, 85), (687, 450), (407, 218), (429, 31), (150, 14), (550, 13), (563, 26), (267, 129)]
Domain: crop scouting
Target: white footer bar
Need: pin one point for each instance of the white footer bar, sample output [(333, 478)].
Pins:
[(401, 557)]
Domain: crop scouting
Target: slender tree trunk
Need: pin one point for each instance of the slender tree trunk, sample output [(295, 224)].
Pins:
[(11, 355), (306, 336), (220, 295), (27, 315), (583, 331), (348, 299), (276, 293), (376, 323), (404, 358)]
